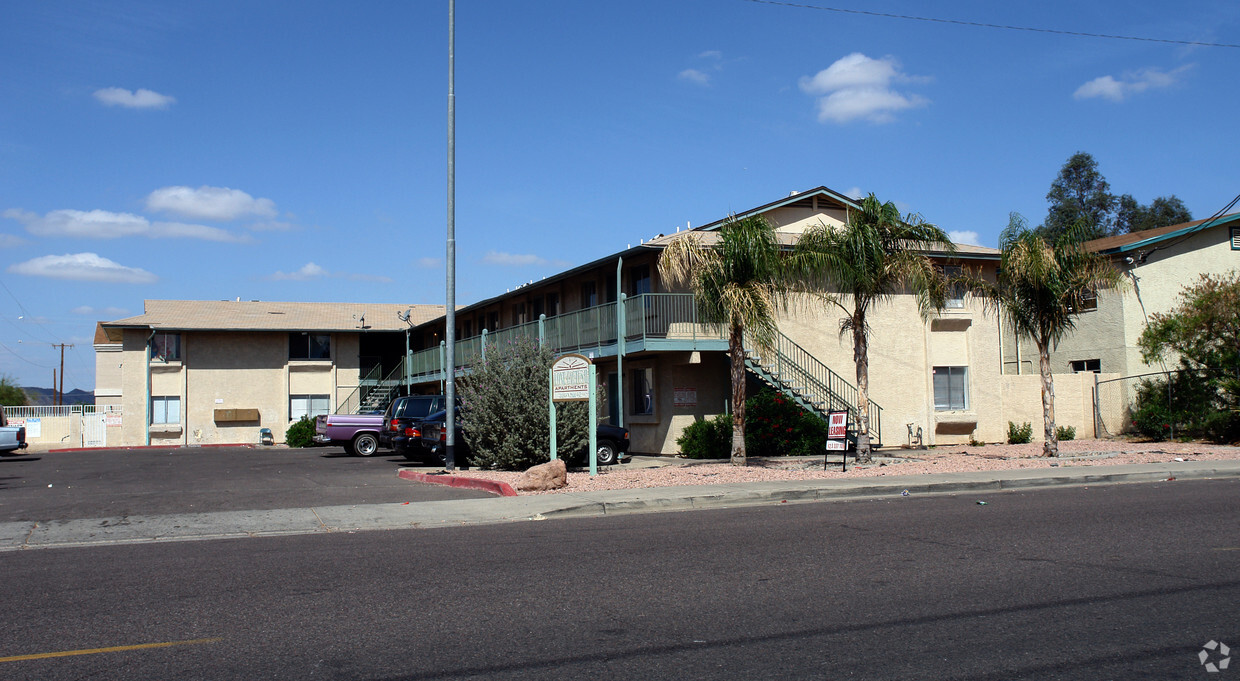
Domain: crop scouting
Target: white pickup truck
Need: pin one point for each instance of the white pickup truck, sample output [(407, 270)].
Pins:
[(12, 438)]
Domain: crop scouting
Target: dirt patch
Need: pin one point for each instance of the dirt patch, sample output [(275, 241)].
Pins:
[(948, 459)]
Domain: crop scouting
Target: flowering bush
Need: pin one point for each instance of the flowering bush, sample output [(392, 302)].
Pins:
[(777, 426)]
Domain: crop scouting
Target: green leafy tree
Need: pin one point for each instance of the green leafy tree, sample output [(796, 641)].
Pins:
[(737, 282), (504, 407), (11, 395), (1131, 216), (1041, 288), (1203, 333), (1080, 195), (874, 256)]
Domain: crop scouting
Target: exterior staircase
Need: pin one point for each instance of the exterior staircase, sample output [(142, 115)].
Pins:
[(790, 369), (375, 391)]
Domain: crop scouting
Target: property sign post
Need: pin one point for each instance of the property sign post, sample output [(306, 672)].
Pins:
[(837, 436), (572, 379)]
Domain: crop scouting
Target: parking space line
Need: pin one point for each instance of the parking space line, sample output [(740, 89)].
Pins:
[(114, 649)]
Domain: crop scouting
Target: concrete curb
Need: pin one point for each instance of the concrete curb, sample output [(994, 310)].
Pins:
[(502, 489), (135, 447)]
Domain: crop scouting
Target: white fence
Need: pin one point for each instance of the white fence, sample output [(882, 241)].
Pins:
[(75, 425)]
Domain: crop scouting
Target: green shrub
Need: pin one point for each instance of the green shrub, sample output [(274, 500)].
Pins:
[(300, 434), (504, 406), (1064, 433), (707, 439), (775, 425), (1019, 435)]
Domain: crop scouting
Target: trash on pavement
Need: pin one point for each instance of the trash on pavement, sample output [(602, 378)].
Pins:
[(904, 493), (981, 503)]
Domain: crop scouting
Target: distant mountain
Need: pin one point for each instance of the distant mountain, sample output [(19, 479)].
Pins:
[(46, 396)]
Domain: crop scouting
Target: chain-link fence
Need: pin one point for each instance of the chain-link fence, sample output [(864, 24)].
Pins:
[(1161, 402)]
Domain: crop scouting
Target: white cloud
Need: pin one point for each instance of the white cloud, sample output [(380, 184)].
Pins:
[(429, 263), (208, 203), (311, 271), (11, 240), (1131, 83), (83, 267), (964, 237), (272, 226), (694, 76), (307, 271), (855, 193), (856, 86), (512, 259), (140, 99), (102, 224), (711, 54)]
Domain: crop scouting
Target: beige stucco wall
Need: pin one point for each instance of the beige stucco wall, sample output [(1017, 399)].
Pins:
[(1074, 403), (903, 351), (227, 370), (1111, 332)]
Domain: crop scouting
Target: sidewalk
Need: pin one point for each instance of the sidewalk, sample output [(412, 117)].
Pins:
[(434, 514)]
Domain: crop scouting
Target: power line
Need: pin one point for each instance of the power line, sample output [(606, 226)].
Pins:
[(979, 24)]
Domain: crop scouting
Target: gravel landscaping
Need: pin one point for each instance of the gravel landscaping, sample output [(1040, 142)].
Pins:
[(891, 461)]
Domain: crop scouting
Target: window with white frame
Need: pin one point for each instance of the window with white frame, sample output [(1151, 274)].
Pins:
[(165, 410), (643, 391), (1235, 238), (166, 347), (951, 388), (309, 406)]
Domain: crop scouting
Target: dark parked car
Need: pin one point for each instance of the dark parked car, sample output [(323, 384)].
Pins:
[(403, 413), (427, 439)]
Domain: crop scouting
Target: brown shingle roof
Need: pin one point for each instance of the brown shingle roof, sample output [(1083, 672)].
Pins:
[(1110, 242), (228, 315)]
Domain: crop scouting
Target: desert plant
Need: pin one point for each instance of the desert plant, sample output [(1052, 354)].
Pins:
[(707, 438), (301, 433), (505, 410), (1064, 433), (1019, 435)]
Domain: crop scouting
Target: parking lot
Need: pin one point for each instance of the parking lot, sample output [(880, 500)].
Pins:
[(51, 486)]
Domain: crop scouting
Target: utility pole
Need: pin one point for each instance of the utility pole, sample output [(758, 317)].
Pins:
[(60, 395), (449, 421)]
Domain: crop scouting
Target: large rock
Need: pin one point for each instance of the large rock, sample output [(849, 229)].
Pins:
[(544, 476)]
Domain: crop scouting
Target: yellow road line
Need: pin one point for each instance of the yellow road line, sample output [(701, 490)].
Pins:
[(115, 649)]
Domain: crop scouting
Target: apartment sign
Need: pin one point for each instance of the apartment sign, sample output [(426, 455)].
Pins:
[(570, 379)]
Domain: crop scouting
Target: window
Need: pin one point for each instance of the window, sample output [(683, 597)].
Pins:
[(639, 280), (493, 320), (955, 292), (1089, 301), (589, 295), (166, 347), (609, 290), (951, 388), (165, 410), (518, 314), (553, 304), (1081, 366), (309, 346), (309, 406), (537, 311), (643, 391), (1235, 238)]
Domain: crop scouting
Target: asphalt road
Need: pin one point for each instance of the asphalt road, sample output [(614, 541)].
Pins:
[(110, 483), (1114, 582)]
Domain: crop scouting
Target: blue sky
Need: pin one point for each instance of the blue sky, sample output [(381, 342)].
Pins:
[(296, 150)]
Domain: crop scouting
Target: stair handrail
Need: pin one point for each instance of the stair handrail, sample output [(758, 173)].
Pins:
[(353, 402), (796, 366)]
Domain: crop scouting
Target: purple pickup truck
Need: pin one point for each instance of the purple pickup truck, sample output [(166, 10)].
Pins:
[(362, 434)]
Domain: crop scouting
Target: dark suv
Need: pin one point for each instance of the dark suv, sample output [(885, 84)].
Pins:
[(432, 438), (402, 414)]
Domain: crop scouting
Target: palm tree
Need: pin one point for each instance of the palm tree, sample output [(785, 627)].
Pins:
[(737, 283), (1041, 288), (874, 256)]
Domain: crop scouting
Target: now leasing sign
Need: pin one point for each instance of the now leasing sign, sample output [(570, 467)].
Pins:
[(570, 379)]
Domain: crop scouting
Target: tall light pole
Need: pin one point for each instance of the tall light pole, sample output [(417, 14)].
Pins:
[(449, 421)]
